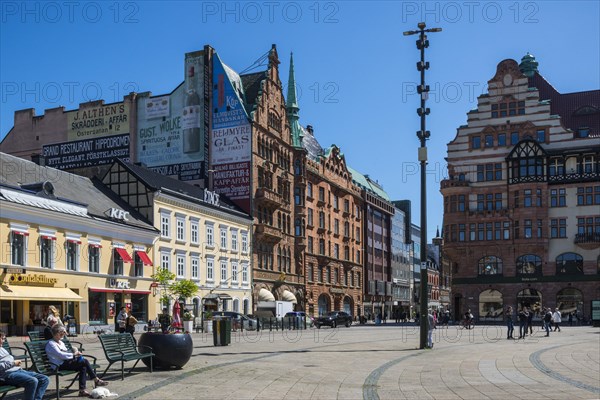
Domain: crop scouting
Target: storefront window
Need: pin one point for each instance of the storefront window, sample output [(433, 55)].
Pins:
[(531, 299), (38, 311), (491, 305), (569, 300), (97, 308), (139, 306)]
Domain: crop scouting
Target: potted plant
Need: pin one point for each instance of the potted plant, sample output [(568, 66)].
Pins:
[(173, 348), (207, 323), (188, 321)]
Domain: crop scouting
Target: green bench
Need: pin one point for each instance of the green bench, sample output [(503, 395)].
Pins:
[(120, 347), (34, 336), (6, 346), (42, 365), (4, 389)]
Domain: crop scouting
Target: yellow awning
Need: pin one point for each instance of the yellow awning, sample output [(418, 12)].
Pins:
[(15, 292)]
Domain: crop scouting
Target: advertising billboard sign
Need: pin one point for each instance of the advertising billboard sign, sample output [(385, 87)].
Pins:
[(172, 138), (96, 121), (231, 147), (86, 153)]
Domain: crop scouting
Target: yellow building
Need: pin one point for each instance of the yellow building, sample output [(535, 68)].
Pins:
[(203, 236), (68, 241)]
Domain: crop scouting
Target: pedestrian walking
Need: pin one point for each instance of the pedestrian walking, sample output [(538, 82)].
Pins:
[(430, 328), (547, 320), (530, 321), (570, 319), (523, 315), (557, 319), (509, 323)]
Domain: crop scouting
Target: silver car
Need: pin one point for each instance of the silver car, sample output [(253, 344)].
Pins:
[(238, 320)]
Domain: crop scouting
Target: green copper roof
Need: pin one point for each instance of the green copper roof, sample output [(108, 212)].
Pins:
[(293, 108), (528, 65), (366, 183)]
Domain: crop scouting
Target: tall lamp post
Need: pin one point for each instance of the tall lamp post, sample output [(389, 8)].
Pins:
[(423, 135)]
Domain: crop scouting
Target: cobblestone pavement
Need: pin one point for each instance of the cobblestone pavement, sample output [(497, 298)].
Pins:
[(373, 362)]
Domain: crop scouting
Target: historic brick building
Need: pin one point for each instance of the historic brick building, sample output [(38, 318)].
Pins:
[(276, 273), (521, 205), (328, 217)]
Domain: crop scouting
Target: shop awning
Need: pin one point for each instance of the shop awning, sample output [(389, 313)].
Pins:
[(15, 292), (265, 295), (124, 255), (115, 290), (289, 296), (144, 257)]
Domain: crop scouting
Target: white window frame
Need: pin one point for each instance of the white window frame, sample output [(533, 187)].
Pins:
[(210, 235), (165, 259), (223, 274), (165, 224), (52, 256), (234, 240), (24, 229), (223, 236), (245, 273), (234, 272), (245, 242), (195, 266), (77, 255), (94, 243), (180, 265), (180, 228), (210, 269), (194, 231)]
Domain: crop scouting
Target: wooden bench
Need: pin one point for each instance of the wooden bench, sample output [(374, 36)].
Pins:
[(120, 347), (42, 365), (34, 336), (4, 389), (6, 346)]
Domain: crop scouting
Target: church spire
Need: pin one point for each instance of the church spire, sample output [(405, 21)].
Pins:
[(292, 107)]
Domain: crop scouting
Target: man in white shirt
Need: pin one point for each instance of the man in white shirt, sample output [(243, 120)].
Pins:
[(557, 319)]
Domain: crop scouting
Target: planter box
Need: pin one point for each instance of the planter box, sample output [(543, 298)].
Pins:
[(208, 326), (188, 326)]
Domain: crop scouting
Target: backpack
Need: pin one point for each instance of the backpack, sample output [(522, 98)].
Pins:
[(548, 317)]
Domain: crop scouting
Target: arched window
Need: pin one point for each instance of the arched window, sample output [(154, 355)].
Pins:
[(491, 305), (279, 258), (532, 299), (569, 300), (490, 265), (529, 264), (569, 263)]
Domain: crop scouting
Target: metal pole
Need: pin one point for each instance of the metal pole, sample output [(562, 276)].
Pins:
[(423, 135)]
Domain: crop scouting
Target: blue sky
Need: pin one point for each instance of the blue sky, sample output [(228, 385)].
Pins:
[(355, 70)]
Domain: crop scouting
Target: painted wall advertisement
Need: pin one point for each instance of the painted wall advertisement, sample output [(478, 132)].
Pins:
[(86, 153), (231, 148), (96, 121), (172, 138)]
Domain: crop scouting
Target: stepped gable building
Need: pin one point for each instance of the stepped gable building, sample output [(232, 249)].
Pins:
[(70, 242), (277, 275), (203, 236), (328, 220), (522, 202)]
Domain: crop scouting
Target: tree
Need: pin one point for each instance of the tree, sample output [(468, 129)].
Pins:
[(172, 289)]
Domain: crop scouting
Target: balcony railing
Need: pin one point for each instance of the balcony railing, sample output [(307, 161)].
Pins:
[(268, 197), (588, 241), (448, 183), (268, 233)]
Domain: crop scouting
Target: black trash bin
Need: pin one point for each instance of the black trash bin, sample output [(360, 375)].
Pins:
[(221, 331)]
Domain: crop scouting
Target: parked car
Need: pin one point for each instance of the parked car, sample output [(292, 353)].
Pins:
[(303, 317), (333, 319), (238, 320)]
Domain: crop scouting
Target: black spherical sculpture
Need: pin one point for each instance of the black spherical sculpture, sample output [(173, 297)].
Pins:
[(170, 350)]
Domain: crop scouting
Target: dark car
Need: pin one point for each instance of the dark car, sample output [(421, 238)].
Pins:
[(309, 321), (333, 319)]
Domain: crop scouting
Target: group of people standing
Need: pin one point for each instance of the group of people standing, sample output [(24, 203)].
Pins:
[(34, 384), (525, 319)]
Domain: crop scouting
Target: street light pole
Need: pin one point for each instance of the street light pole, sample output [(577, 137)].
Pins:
[(423, 135)]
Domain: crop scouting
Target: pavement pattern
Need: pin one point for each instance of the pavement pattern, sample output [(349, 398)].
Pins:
[(370, 362)]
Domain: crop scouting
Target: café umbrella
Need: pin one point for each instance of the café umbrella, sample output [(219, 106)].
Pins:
[(176, 316)]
